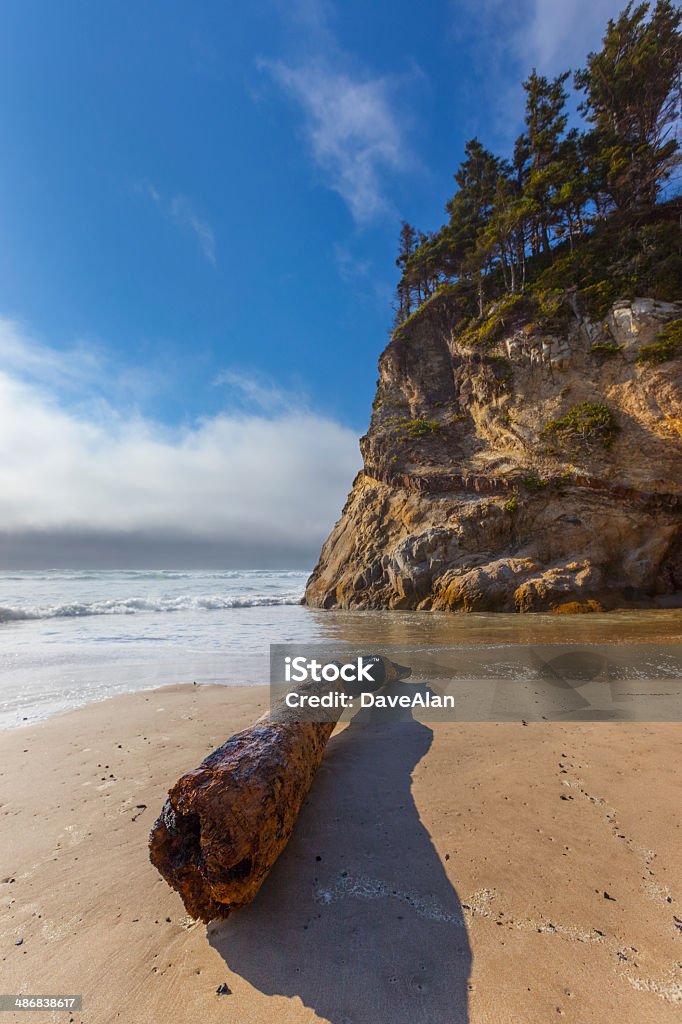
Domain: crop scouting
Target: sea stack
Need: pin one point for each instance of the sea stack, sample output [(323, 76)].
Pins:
[(518, 464)]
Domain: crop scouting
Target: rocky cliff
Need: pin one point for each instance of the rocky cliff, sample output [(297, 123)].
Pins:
[(516, 470)]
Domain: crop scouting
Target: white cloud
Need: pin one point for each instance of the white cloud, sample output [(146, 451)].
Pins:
[(180, 210), (28, 358), (274, 477), (84, 373), (257, 392), (352, 129), (559, 35), (548, 34)]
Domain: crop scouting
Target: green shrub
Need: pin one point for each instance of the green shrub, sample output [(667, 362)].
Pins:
[(585, 426), (511, 505), (534, 483), (598, 298), (668, 344), (605, 349), (553, 314), (412, 430)]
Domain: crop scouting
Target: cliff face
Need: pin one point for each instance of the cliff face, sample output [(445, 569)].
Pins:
[(536, 473)]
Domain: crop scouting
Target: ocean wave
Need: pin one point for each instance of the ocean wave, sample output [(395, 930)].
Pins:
[(137, 605), (77, 575)]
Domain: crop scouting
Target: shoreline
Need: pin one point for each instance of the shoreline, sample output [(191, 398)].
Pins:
[(78, 662), (541, 860)]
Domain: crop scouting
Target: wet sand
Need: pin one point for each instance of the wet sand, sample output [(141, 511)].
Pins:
[(438, 873)]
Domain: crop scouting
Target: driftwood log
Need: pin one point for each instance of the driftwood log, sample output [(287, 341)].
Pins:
[(225, 823)]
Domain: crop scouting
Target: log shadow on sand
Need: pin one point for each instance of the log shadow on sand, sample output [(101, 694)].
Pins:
[(358, 918)]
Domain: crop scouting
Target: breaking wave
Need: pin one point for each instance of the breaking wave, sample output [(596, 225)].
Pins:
[(137, 605)]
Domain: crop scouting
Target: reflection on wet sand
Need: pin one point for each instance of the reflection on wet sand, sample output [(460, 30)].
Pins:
[(358, 918)]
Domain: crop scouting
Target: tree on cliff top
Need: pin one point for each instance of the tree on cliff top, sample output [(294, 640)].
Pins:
[(632, 97), (601, 185), (541, 144)]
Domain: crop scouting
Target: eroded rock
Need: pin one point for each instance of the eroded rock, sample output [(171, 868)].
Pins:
[(468, 502)]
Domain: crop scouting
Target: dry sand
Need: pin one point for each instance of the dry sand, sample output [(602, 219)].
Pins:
[(454, 873)]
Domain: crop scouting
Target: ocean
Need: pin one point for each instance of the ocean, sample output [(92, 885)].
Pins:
[(68, 638)]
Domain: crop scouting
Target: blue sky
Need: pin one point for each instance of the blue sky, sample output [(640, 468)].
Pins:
[(199, 207)]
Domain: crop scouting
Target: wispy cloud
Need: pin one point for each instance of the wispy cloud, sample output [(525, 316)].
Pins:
[(83, 373), (350, 266), (275, 476), (362, 275), (180, 210), (256, 392), (546, 34), (352, 123), (559, 35), (313, 15), (507, 38)]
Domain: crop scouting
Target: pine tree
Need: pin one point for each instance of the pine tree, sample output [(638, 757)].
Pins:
[(406, 245), (575, 188), (504, 240), (545, 124), (632, 97), (470, 210)]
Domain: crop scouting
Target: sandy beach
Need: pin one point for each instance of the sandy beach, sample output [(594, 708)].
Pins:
[(445, 873)]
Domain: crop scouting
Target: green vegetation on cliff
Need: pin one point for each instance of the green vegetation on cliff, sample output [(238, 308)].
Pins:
[(667, 345), (584, 427), (575, 219)]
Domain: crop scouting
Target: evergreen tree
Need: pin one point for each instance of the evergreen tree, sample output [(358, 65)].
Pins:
[(424, 269), (568, 188), (575, 187), (470, 210), (545, 124), (406, 244), (632, 97), (504, 240)]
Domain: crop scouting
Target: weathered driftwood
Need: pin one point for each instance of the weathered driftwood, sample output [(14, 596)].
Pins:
[(224, 824)]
